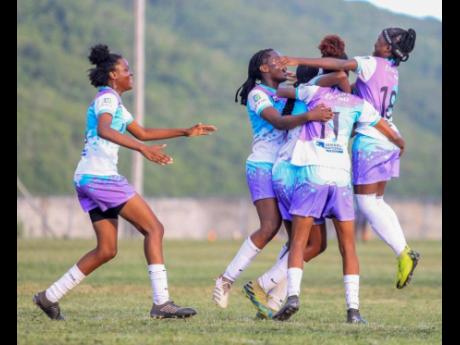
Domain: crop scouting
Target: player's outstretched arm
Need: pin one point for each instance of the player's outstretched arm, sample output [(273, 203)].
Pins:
[(153, 153), (146, 134), (324, 63)]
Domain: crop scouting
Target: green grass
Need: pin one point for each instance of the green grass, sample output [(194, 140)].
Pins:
[(112, 305)]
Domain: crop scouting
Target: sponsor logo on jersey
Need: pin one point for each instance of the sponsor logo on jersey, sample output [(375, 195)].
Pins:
[(330, 147)]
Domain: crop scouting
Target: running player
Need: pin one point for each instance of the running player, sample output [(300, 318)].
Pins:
[(105, 194)]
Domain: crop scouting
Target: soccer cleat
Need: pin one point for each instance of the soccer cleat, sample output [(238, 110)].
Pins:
[(51, 309), (290, 308), (258, 297), (407, 261), (353, 316), (169, 310), (221, 291)]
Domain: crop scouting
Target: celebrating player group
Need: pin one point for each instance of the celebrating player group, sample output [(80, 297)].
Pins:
[(300, 172)]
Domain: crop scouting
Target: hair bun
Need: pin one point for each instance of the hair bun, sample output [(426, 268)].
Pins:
[(412, 34), (99, 54)]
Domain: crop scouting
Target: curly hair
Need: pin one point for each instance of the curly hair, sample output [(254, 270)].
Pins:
[(332, 46), (105, 62)]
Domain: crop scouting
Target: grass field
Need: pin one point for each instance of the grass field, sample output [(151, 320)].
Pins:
[(112, 305)]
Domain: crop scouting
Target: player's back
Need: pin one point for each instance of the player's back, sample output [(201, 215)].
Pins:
[(377, 83), (325, 144)]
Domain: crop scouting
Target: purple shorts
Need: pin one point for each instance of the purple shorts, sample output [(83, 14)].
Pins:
[(259, 179), (285, 177), (102, 191), (374, 160), (322, 201)]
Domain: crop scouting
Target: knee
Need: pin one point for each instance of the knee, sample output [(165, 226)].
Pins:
[(156, 230), (106, 254), (313, 250), (269, 228)]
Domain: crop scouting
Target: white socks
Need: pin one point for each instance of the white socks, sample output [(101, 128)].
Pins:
[(383, 221), (294, 281), (242, 259), (160, 293), (276, 274), (68, 281), (400, 241), (351, 283), (277, 295), (274, 281)]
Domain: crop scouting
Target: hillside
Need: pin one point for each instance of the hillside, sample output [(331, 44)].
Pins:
[(196, 57)]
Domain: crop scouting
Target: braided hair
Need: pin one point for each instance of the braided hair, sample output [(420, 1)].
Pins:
[(254, 74), (402, 42), (105, 62)]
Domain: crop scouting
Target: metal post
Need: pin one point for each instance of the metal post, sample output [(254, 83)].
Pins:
[(137, 173), (139, 15)]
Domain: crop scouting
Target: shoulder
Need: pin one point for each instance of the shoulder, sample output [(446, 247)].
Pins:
[(257, 97), (306, 91), (256, 94), (107, 97), (366, 66)]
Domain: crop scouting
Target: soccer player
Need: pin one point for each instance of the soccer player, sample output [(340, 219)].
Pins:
[(105, 194), (258, 94), (375, 162), (321, 186)]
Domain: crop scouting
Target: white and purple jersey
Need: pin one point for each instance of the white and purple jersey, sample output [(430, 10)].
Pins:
[(266, 138), (377, 83), (99, 156), (290, 140), (324, 145)]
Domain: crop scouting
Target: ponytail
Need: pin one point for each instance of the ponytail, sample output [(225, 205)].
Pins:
[(402, 42)]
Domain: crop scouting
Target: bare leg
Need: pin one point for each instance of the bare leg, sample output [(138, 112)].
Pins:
[(270, 222), (381, 188), (106, 249), (137, 212), (301, 227), (317, 242), (346, 238), (371, 188)]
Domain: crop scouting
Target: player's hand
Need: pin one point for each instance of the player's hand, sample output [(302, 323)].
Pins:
[(155, 154), (200, 129), (401, 144), (291, 78), (284, 61), (320, 113)]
